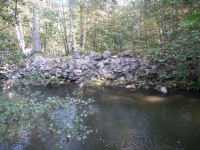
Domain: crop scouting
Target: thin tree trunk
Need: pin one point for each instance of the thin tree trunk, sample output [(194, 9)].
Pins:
[(20, 36), (63, 21), (45, 38), (19, 30), (82, 26), (94, 38), (36, 31), (72, 34), (174, 15), (161, 26)]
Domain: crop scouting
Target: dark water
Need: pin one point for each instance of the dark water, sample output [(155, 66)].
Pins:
[(99, 119)]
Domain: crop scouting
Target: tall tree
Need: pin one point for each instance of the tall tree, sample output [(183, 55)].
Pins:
[(63, 21), (72, 33), (19, 29), (83, 11), (36, 30)]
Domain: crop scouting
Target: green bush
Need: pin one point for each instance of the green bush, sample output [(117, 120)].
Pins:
[(9, 51)]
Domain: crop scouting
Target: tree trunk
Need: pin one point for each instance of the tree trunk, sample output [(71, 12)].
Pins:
[(63, 21), (19, 30), (161, 26), (82, 26), (45, 38), (20, 36), (72, 37), (36, 31)]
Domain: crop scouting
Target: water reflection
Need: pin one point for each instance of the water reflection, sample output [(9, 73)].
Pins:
[(36, 121), (67, 118)]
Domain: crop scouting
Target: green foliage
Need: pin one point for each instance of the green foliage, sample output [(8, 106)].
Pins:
[(7, 41), (164, 30), (9, 52), (39, 78), (192, 21), (113, 33), (6, 9)]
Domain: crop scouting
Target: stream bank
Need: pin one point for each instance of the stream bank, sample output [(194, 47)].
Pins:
[(92, 69)]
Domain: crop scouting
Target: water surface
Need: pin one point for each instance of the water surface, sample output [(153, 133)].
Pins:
[(67, 118)]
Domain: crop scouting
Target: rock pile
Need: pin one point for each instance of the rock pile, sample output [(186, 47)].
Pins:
[(123, 69)]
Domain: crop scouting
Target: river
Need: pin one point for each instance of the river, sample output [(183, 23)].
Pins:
[(67, 118)]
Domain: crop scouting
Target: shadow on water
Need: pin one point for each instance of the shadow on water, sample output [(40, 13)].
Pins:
[(67, 118)]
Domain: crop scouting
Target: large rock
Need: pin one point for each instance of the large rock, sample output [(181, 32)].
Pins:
[(107, 54)]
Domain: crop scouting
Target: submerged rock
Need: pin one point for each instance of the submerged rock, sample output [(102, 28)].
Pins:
[(131, 86), (161, 89)]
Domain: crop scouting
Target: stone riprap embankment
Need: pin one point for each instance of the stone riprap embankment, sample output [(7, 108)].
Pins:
[(123, 69)]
